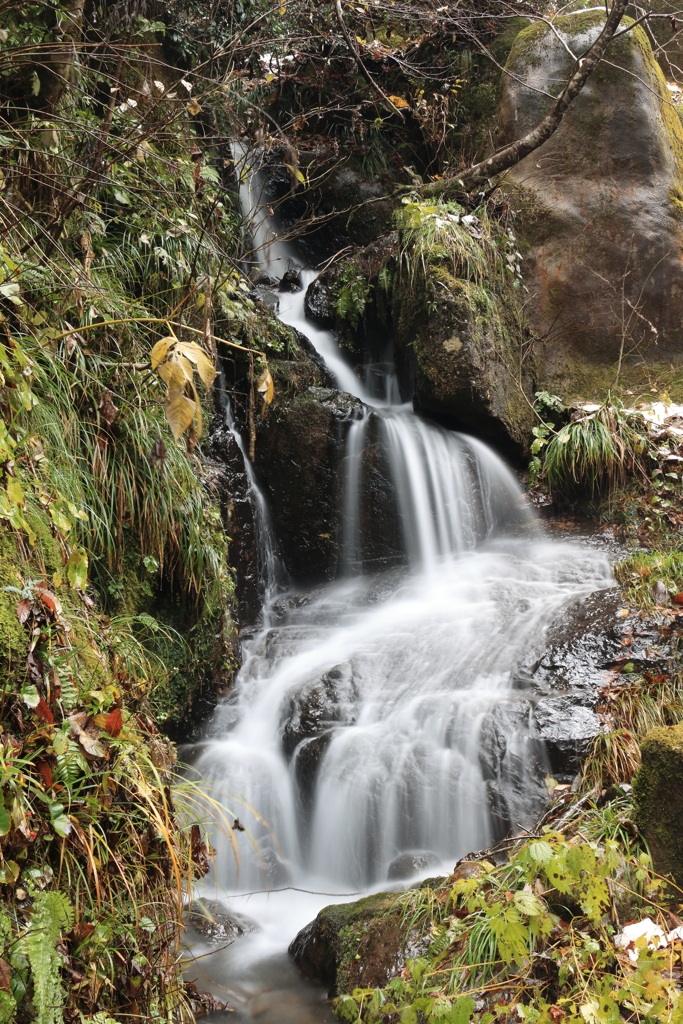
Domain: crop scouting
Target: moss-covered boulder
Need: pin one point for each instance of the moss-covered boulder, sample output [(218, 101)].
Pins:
[(659, 798), (355, 945), (461, 346), (600, 207)]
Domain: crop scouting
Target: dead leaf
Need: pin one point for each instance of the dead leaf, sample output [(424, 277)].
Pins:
[(237, 826), (49, 600), (46, 772), (114, 722), (266, 388), (5, 977), (43, 712), (23, 610), (199, 852), (108, 410), (86, 734), (677, 599), (193, 108)]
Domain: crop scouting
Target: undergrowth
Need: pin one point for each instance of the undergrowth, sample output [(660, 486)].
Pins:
[(531, 937)]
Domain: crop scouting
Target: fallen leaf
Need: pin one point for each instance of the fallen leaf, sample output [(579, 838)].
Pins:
[(199, 852), (23, 610), (46, 772), (677, 599), (43, 712), (4, 976), (114, 722), (49, 600), (86, 735)]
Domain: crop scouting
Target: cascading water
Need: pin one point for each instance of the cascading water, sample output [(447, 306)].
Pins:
[(379, 716)]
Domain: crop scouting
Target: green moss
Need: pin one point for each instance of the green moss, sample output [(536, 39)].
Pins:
[(659, 798), (13, 637)]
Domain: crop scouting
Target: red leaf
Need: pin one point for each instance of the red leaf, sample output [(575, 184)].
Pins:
[(23, 610), (45, 770), (114, 722), (48, 599), (677, 599), (43, 712)]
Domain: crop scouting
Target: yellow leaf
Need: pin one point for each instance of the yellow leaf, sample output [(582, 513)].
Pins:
[(399, 102), (179, 410), (176, 370), (205, 368), (193, 108), (266, 388), (158, 353), (297, 173)]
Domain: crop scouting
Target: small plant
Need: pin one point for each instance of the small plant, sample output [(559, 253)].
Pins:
[(594, 452), (352, 294)]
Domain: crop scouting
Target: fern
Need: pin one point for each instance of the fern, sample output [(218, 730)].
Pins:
[(52, 914), (71, 765)]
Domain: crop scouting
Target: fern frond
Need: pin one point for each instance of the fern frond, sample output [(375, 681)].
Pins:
[(52, 914)]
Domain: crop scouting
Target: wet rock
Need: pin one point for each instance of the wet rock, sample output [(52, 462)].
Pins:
[(241, 522), (355, 945), (599, 206), (331, 700), (299, 449), (291, 280), (591, 644), (266, 297), (216, 923), (406, 865), (659, 798), (318, 304)]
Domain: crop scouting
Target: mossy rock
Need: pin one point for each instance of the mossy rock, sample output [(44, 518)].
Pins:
[(599, 213), (353, 945), (466, 344), (659, 798)]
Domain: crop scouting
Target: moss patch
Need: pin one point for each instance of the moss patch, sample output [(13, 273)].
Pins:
[(659, 798)]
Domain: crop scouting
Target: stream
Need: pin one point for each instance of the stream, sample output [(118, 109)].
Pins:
[(377, 730)]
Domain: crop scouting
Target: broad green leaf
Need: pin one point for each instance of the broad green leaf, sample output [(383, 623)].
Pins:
[(30, 696), (541, 852), (5, 821), (62, 825), (77, 569), (15, 492), (9, 872)]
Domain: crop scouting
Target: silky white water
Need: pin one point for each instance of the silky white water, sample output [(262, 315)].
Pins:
[(379, 715)]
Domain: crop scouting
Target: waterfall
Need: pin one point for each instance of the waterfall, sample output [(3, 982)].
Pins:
[(380, 715)]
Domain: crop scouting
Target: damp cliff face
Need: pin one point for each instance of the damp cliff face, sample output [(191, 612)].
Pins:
[(600, 209)]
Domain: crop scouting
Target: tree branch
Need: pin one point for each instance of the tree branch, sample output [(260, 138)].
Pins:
[(516, 151), (361, 66)]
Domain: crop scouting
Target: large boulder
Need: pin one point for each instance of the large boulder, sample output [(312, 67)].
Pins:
[(659, 798), (599, 210)]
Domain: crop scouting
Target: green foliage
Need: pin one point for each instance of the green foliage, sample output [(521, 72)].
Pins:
[(639, 573), (533, 936), (352, 291), (595, 451), (52, 915)]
